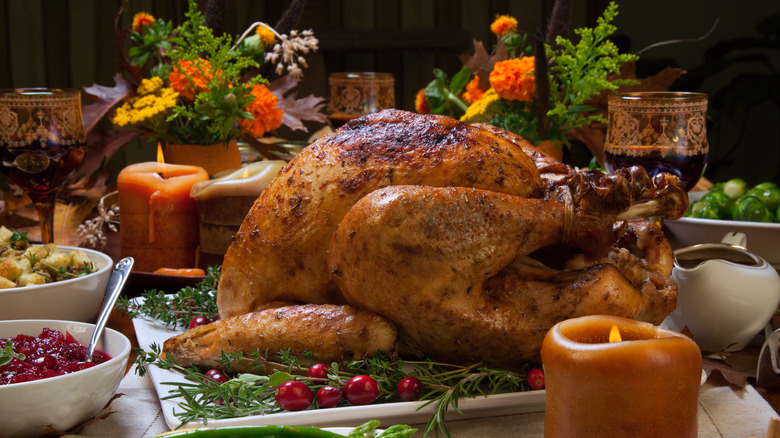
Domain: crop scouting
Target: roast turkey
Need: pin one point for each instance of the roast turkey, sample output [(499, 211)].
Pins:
[(464, 236)]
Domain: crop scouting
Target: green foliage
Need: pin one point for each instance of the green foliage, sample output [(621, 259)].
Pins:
[(442, 93), (580, 72)]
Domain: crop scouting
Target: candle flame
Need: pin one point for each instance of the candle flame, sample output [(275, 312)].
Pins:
[(614, 334), (160, 157)]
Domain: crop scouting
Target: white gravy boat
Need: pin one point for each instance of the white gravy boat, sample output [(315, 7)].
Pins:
[(726, 294)]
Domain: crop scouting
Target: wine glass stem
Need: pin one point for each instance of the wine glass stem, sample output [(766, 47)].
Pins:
[(45, 205)]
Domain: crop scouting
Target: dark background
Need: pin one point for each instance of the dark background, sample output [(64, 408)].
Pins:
[(71, 43)]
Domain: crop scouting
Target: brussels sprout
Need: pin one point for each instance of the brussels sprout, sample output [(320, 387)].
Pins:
[(708, 210), (751, 209), (735, 188), (765, 185), (721, 200), (769, 196)]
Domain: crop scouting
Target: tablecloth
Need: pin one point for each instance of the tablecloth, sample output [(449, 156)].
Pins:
[(724, 412)]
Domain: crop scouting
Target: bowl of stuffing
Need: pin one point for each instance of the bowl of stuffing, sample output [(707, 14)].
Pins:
[(45, 382), (50, 281)]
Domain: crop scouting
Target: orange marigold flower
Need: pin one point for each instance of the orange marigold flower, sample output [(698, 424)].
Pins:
[(263, 109), (141, 20), (513, 79), (503, 25), (266, 35), (473, 93), (190, 77), (421, 103)]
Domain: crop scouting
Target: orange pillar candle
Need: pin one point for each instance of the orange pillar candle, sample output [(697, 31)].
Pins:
[(645, 385), (158, 218)]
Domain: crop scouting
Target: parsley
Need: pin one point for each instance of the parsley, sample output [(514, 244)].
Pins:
[(7, 354)]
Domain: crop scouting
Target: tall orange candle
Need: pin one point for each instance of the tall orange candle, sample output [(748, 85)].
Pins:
[(644, 385), (158, 218)]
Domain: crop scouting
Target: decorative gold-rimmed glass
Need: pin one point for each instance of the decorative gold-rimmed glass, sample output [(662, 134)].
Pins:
[(661, 131), (355, 94), (42, 143)]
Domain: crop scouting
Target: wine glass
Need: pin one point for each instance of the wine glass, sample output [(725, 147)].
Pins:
[(355, 94), (660, 131), (42, 143)]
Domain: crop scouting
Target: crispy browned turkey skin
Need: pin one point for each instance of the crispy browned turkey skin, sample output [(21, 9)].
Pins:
[(469, 240), (278, 255), (330, 333), (447, 265)]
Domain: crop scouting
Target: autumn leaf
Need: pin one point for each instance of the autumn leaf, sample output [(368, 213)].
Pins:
[(481, 62), (105, 99), (296, 110)]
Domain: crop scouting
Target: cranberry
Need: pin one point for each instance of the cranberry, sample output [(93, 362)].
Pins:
[(361, 390), (216, 375), (293, 395), (199, 320), (409, 388), (535, 378), (46, 362), (328, 396), (318, 370)]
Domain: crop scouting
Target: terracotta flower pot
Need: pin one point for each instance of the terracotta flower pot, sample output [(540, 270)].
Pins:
[(213, 158)]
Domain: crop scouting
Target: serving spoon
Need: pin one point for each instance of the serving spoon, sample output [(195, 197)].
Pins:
[(115, 284)]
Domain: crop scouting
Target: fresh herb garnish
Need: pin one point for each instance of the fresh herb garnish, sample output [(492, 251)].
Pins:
[(18, 240), (203, 399), (61, 271), (176, 310), (7, 354)]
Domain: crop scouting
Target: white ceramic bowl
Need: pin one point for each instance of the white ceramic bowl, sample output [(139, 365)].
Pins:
[(762, 238), (77, 299), (63, 401)]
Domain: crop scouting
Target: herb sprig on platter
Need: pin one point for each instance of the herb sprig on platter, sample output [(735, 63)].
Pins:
[(176, 310), (202, 398)]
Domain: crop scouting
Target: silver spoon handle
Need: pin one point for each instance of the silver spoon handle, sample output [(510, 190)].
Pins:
[(115, 284)]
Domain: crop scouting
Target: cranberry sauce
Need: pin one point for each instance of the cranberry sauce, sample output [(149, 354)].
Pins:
[(50, 354)]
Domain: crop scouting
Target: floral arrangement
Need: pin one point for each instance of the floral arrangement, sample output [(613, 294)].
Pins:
[(186, 85), (539, 92)]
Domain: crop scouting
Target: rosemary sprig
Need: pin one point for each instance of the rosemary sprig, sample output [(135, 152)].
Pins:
[(178, 309), (203, 399)]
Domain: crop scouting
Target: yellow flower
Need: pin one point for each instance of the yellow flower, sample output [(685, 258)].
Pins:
[(263, 109), (513, 79), (150, 85), (483, 109), (503, 25), (142, 20), (266, 36), (420, 103), (473, 93), (147, 110)]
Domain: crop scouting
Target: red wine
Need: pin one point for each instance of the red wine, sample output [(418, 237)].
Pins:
[(339, 119), (689, 168), (40, 170)]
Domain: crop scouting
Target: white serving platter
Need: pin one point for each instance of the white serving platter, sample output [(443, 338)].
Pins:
[(149, 331)]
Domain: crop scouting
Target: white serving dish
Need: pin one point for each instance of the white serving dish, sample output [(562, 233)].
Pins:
[(77, 299), (413, 412), (63, 401), (763, 239)]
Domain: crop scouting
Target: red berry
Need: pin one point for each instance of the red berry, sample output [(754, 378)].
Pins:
[(199, 320), (318, 370), (361, 390), (535, 378), (409, 388), (293, 395), (216, 375), (328, 396)]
